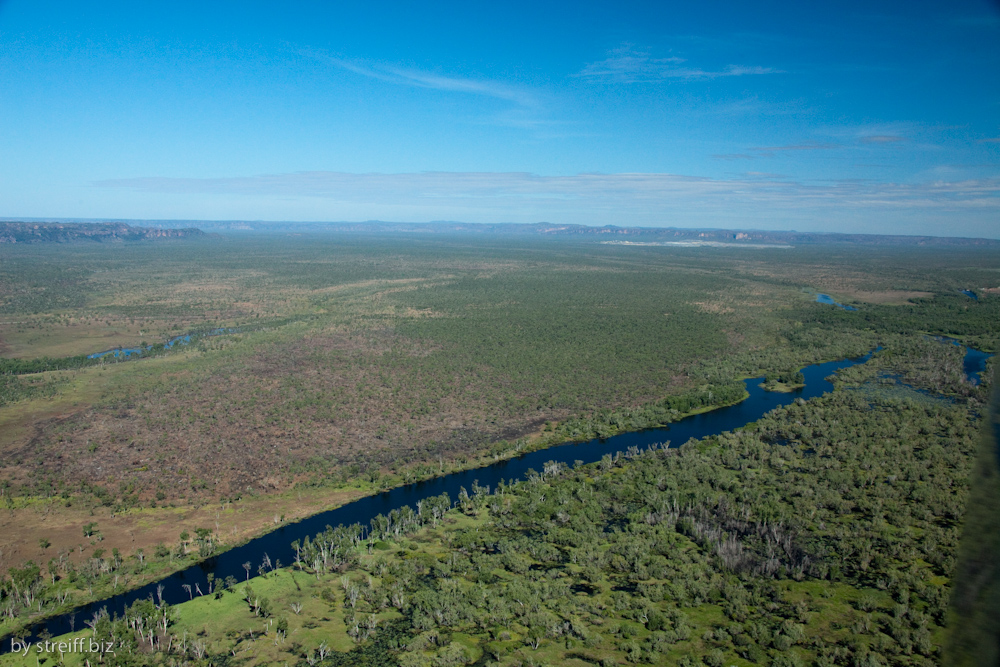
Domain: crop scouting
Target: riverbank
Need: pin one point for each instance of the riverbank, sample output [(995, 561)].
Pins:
[(586, 547), (144, 530), (514, 464), (234, 524)]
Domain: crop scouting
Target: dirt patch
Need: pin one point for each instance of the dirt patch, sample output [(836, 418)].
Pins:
[(21, 528)]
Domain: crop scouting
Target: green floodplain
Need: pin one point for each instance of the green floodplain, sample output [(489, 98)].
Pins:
[(825, 533)]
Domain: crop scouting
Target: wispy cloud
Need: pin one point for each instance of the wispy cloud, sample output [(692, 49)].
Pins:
[(769, 151), (882, 139), (621, 194), (990, 140), (794, 147), (629, 65), (416, 78), (765, 175)]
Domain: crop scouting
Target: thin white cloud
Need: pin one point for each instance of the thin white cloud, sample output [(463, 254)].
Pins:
[(769, 151), (619, 193), (628, 65), (765, 150), (416, 78), (882, 139), (764, 174), (742, 70)]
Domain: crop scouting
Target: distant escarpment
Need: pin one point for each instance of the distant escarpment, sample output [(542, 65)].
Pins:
[(646, 235), (100, 232)]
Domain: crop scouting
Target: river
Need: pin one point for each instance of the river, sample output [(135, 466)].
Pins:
[(183, 339), (828, 300), (277, 543)]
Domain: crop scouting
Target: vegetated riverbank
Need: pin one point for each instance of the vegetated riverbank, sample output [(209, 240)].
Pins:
[(974, 361), (702, 421), (123, 551), (163, 560), (574, 429), (610, 423), (828, 300), (823, 533), (123, 353), (118, 523)]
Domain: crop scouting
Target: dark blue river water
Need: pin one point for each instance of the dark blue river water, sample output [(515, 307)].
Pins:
[(277, 544)]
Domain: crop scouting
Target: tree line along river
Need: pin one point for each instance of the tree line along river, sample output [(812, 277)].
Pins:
[(277, 543)]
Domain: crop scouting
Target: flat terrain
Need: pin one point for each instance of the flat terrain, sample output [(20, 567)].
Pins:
[(353, 363), (823, 534)]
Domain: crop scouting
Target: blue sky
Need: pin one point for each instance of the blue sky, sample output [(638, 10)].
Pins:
[(854, 117)]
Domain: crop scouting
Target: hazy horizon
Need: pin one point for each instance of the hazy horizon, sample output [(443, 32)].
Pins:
[(312, 225), (780, 116)]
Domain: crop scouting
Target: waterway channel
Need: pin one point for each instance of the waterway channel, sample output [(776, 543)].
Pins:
[(277, 543)]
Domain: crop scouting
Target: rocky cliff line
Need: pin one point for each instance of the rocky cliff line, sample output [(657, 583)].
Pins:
[(109, 232)]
